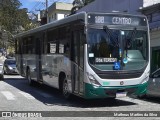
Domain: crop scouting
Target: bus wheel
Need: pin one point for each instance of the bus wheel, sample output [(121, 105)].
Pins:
[(1, 77), (66, 93), (29, 77)]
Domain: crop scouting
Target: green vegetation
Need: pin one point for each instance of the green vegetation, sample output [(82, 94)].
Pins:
[(11, 17), (77, 4), (13, 20)]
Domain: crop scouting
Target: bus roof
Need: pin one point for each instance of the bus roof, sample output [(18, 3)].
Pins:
[(54, 24), (71, 18)]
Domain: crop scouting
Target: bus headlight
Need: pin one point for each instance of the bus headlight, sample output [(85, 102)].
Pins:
[(93, 80)]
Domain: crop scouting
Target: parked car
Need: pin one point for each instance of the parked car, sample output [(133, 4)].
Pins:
[(1, 71), (10, 66), (10, 57), (153, 85)]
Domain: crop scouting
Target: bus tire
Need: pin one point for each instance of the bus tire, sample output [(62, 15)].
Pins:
[(65, 90), (30, 81), (1, 77)]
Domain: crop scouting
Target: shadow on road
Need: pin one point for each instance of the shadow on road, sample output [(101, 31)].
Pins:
[(57, 98), (151, 99)]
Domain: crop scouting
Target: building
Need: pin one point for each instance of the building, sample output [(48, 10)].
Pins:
[(58, 10), (43, 17), (130, 6), (153, 14), (147, 3)]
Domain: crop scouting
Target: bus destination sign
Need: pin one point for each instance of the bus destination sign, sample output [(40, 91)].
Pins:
[(116, 20), (121, 20)]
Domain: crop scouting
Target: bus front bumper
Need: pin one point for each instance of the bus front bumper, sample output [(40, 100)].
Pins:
[(92, 92)]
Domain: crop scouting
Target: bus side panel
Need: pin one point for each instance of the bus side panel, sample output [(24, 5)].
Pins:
[(52, 66), (64, 65), (29, 62), (50, 70)]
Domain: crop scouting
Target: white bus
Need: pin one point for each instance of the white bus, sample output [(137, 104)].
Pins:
[(91, 55)]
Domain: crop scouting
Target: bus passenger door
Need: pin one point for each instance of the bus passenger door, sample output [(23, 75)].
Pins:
[(77, 57)]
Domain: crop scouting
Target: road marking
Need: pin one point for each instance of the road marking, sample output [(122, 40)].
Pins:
[(27, 95), (8, 95)]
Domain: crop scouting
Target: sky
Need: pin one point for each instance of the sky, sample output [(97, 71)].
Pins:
[(35, 5)]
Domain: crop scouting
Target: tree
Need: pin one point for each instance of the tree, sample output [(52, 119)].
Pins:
[(77, 4), (23, 20), (8, 14), (12, 17)]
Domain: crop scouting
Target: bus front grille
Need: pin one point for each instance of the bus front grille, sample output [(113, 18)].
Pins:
[(119, 75)]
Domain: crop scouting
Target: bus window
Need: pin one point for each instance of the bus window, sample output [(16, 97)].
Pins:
[(52, 41), (64, 41)]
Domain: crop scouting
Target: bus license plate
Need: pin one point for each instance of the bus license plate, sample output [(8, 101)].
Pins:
[(121, 94)]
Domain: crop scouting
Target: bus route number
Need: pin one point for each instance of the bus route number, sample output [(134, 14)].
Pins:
[(105, 60), (99, 19)]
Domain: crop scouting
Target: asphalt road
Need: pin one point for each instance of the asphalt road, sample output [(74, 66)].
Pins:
[(17, 96)]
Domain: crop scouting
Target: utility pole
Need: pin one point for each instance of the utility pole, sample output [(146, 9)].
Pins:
[(47, 10)]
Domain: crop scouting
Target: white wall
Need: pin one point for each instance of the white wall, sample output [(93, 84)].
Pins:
[(150, 2), (60, 16)]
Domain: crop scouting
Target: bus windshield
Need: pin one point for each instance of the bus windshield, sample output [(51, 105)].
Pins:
[(127, 48)]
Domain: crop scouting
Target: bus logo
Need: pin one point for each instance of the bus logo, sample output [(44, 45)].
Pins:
[(121, 83)]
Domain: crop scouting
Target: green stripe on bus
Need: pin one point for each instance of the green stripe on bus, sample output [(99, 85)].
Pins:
[(101, 92)]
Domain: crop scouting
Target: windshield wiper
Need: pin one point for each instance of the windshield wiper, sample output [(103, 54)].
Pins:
[(129, 40), (108, 31)]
